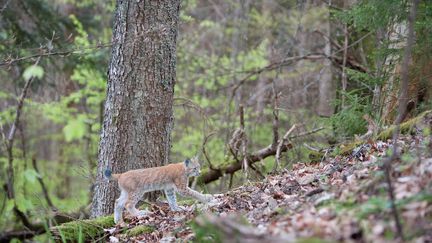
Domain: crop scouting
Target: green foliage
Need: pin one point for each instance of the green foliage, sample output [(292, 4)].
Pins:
[(373, 14), (33, 71), (349, 121), (75, 129)]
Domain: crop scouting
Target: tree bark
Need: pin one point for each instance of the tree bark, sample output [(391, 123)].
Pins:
[(138, 114)]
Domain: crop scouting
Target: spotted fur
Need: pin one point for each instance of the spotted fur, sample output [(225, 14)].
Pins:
[(172, 179)]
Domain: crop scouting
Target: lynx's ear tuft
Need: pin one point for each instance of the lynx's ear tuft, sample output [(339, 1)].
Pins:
[(187, 162)]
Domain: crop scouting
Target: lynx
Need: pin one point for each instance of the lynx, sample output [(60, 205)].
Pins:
[(171, 178)]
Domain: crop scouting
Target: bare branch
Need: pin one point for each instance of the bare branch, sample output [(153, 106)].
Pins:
[(203, 148), (307, 133)]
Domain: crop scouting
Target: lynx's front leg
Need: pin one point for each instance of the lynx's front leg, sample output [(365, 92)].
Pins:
[(172, 200), (187, 192)]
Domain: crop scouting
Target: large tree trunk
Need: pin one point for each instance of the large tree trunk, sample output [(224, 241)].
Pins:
[(138, 110)]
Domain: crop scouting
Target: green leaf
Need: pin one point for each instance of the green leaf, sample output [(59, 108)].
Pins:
[(75, 129), (31, 175), (33, 71), (9, 205), (24, 204)]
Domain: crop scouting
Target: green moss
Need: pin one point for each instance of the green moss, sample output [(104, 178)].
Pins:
[(405, 127), (83, 229), (139, 230), (315, 156), (347, 148)]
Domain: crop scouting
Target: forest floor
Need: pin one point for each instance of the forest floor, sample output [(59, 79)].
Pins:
[(342, 198)]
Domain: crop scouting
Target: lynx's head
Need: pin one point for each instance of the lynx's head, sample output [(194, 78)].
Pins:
[(192, 166)]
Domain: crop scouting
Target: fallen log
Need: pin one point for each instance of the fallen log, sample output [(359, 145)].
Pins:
[(214, 174), (420, 121)]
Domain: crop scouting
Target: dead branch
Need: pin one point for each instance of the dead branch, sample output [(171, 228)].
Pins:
[(275, 114), (19, 234), (306, 133), (215, 174), (203, 149), (282, 142)]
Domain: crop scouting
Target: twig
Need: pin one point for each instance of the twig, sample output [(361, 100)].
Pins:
[(307, 133), (275, 114), (282, 142), (203, 148)]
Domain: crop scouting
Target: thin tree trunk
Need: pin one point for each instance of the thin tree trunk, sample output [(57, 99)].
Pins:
[(138, 110), (403, 94)]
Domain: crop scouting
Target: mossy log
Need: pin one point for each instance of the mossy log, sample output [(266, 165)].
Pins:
[(82, 230), (405, 128), (91, 230)]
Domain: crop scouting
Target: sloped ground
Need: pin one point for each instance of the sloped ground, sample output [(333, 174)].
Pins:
[(339, 199)]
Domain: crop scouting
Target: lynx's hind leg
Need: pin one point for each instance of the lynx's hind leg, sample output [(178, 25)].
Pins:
[(132, 201), (172, 200), (119, 206)]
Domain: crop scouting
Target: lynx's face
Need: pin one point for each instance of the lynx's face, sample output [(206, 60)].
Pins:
[(192, 167)]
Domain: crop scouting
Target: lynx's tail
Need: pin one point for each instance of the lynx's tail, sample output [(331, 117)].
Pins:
[(109, 175)]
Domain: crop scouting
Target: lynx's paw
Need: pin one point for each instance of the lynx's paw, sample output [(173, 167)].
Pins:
[(178, 209), (208, 197), (142, 213)]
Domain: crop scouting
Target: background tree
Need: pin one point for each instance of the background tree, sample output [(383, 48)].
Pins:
[(138, 109)]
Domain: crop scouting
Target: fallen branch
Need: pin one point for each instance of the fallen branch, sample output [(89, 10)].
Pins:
[(215, 174), (303, 134)]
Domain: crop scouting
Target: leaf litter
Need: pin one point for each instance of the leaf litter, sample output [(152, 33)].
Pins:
[(343, 198)]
